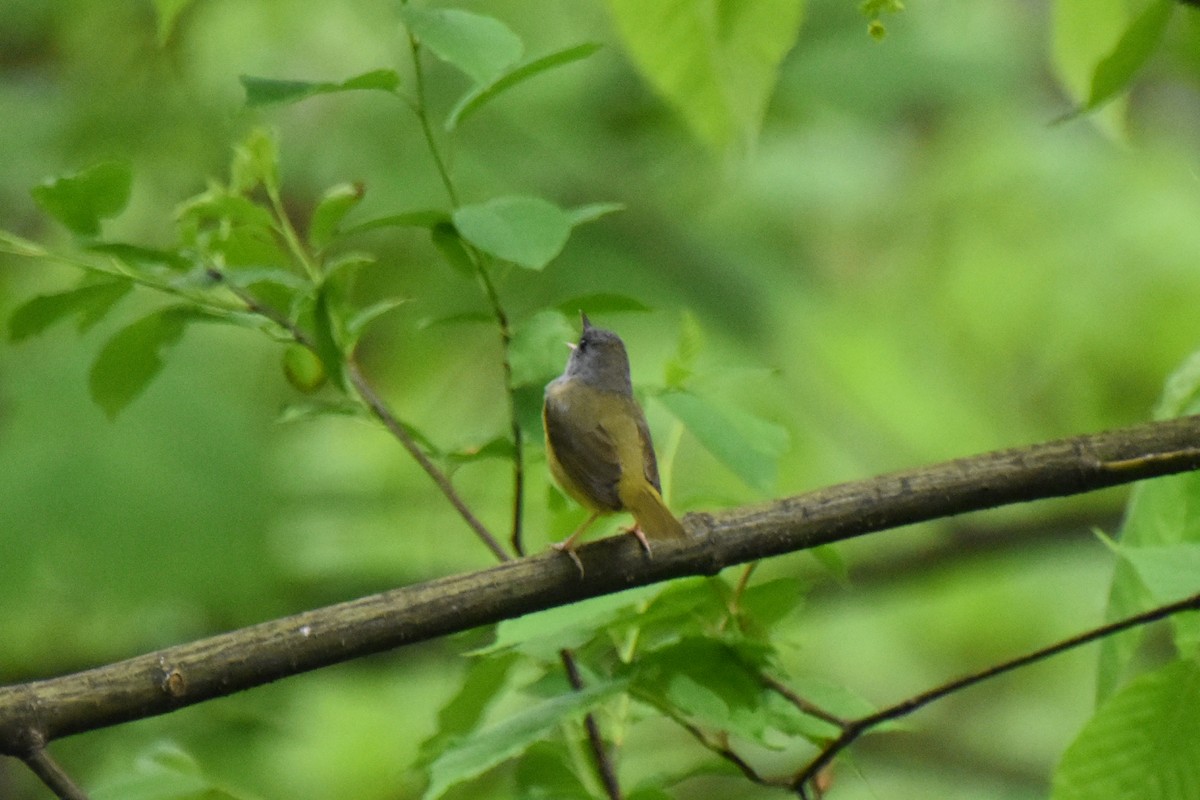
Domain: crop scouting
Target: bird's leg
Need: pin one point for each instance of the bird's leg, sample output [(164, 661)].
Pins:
[(567, 545), (636, 530)]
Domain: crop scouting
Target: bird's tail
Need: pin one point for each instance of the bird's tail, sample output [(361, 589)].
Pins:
[(652, 514)]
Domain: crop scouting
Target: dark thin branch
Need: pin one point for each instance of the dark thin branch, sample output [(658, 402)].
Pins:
[(52, 774), (853, 729), (157, 683), (384, 415), (604, 765), (381, 411), (722, 749)]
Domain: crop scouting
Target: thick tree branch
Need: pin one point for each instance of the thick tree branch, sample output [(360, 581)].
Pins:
[(156, 683)]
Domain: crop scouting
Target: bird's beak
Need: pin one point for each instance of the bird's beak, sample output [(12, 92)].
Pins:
[(571, 345)]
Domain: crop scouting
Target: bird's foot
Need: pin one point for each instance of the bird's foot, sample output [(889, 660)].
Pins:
[(636, 530), (567, 546)]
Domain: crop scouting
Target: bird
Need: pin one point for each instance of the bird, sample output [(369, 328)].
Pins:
[(598, 444)]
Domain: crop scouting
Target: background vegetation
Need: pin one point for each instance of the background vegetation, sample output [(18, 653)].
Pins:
[(905, 262)]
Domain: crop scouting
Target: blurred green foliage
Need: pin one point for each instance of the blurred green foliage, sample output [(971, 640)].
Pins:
[(855, 255)]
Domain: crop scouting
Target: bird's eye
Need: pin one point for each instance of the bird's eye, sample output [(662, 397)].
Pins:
[(583, 344)]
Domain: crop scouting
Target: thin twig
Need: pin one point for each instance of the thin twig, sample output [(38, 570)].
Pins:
[(384, 415), (604, 765), (379, 408), (853, 729), (53, 775)]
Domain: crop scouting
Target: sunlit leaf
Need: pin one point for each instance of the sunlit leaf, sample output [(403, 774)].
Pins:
[(89, 303), (1134, 49), (475, 754), (1142, 744), (527, 231), (82, 200), (255, 161), (480, 46), (167, 13), (750, 447), (479, 96), (716, 63), (265, 91), (484, 679)]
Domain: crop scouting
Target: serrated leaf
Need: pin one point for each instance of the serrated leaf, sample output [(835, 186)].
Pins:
[(716, 63), (527, 231), (333, 207), (477, 753), (750, 447), (485, 678), (482, 94), (1135, 47), (89, 303), (82, 200), (1143, 744), (266, 91), (480, 46), (133, 357), (592, 212)]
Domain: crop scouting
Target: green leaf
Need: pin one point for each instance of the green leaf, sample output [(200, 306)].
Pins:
[(167, 13), (501, 447), (716, 63), (166, 772), (592, 212), (682, 365), (485, 678), (750, 447), (544, 773), (138, 256), (527, 231), (448, 242), (482, 94), (425, 218), (18, 246), (364, 317), (89, 303), (477, 753), (482, 47), (1134, 49), (1143, 744), (255, 161), (600, 303), (133, 357), (81, 200), (333, 207), (327, 335), (266, 91), (308, 410), (217, 205)]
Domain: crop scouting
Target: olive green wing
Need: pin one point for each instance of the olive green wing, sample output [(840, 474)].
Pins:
[(649, 461), (585, 451)]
